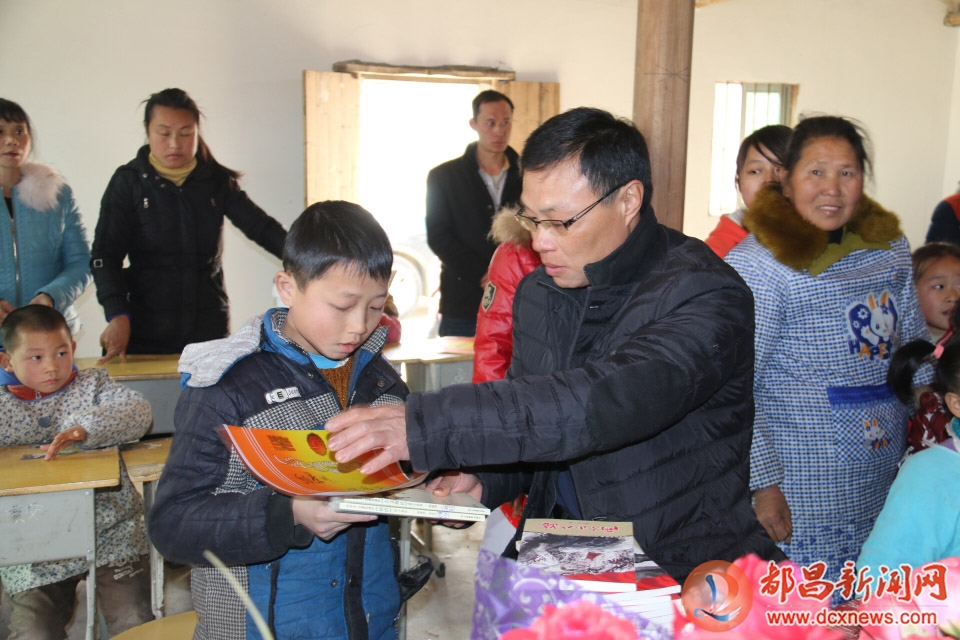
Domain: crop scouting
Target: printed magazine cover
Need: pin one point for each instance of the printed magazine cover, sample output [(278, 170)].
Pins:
[(595, 555), (299, 463)]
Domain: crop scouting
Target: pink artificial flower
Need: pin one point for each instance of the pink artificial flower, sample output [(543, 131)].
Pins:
[(580, 620), (940, 593)]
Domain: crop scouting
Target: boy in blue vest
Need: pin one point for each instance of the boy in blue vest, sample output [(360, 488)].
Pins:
[(311, 571)]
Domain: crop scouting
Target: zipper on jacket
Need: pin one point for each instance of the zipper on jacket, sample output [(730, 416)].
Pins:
[(16, 253)]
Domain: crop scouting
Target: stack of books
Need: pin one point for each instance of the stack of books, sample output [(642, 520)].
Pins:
[(604, 557), (414, 503), (598, 556), (657, 593)]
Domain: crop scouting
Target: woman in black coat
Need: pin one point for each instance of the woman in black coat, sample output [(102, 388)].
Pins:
[(163, 212)]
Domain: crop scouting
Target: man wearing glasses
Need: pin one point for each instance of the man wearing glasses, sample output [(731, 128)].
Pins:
[(629, 396)]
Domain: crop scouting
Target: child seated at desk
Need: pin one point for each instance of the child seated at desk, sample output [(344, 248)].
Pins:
[(311, 571), (44, 400)]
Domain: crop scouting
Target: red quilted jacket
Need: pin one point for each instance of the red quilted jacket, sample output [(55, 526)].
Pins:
[(513, 259)]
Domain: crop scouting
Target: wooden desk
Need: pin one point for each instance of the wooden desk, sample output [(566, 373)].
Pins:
[(433, 363), (156, 377), (145, 461), (47, 509)]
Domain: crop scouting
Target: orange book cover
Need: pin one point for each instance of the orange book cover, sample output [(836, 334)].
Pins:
[(299, 463)]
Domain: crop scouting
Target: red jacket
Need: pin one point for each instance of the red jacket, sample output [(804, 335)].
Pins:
[(513, 259), (725, 236)]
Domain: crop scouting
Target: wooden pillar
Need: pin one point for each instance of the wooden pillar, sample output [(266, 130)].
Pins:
[(661, 98)]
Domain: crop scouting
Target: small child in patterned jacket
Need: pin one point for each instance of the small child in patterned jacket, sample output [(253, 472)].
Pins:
[(936, 272), (45, 400)]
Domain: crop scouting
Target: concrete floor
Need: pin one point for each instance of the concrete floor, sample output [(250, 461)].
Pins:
[(442, 610)]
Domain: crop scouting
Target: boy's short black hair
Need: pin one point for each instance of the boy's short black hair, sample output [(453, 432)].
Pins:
[(32, 317), (336, 232)]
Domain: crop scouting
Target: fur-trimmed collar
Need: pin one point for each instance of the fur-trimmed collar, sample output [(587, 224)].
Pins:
[(505, 228), (795, 242), (39, 186)]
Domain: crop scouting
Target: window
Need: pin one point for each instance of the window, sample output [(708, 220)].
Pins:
[(741, 108)]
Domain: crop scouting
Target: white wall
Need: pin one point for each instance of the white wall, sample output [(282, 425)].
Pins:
[(81, 69), (893, 65), (951, 165)]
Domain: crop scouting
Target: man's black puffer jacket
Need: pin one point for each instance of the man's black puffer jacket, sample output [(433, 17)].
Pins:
[(643, 381)]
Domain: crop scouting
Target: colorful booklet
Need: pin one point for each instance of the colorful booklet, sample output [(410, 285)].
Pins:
[(299, 463), (415, 503), (596, 555)]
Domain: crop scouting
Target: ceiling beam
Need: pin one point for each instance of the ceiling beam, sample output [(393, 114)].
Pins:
[(444, 72)]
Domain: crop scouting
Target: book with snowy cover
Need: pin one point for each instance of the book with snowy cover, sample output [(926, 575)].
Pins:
[(596, 555)]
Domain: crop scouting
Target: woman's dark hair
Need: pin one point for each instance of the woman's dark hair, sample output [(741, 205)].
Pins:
[(12, 112), (179, 99), (771, 139), (815, 127), (336, 232)]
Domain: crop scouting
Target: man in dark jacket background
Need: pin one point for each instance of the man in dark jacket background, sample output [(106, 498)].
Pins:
[(463, 195), (630, 392)]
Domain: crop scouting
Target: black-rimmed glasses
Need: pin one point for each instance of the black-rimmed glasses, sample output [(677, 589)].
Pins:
[(560, 227)]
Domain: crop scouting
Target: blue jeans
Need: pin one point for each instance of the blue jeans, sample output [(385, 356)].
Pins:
[(461, 327)]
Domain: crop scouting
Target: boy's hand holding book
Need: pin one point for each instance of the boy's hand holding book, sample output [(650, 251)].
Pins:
[(321, 519)]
